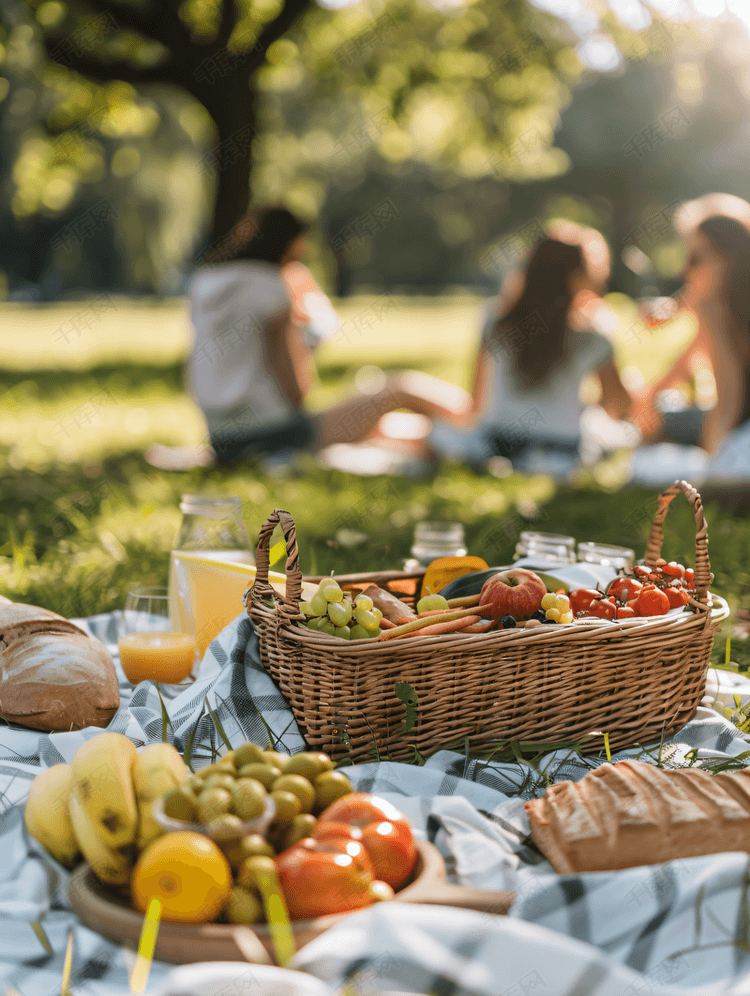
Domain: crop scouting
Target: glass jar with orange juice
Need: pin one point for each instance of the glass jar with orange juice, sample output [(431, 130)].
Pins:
[(150, 647)]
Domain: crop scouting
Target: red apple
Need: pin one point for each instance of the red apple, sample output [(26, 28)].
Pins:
[(516, 593)]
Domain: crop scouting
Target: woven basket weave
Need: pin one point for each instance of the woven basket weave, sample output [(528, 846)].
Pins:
[(636, 680)]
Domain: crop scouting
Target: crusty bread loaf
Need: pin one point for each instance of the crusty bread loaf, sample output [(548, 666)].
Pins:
[(53, 676), (631, 813)]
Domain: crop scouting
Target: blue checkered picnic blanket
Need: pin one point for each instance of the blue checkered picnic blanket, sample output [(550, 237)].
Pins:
[(681, 927)]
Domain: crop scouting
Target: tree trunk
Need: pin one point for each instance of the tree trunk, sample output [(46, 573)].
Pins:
[(235, 117)]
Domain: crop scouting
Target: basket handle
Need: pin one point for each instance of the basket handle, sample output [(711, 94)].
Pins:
[(702, 563), (261, 587)]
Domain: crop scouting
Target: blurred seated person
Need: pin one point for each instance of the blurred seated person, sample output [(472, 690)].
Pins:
[(252, 363), (716, 289), (311, 308), (536, 348)]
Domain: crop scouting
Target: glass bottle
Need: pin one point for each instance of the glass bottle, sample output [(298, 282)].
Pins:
[(618, 557), (547, 546), (433, 540), (212, 529), (213, 525)]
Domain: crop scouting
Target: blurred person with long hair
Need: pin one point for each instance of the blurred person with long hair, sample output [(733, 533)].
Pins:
[(715, 230), (537, 347), (252, 365)]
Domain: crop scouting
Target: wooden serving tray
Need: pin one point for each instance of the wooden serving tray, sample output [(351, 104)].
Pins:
[(108, 914)]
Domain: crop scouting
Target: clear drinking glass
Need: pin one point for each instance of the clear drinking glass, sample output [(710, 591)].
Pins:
[(547, 546), (150, 647), (610, 556)]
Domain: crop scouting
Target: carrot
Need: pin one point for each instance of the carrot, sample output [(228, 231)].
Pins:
[(431, 612), (387, 624), (417, 624), (483, 626), (453, 626), (454, 603)]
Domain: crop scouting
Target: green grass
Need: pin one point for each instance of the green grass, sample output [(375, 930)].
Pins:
[(82, 516)]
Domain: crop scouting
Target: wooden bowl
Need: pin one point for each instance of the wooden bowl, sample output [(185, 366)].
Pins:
[(102, 910)]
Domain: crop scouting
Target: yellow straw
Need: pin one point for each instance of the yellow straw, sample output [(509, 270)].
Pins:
[(606, 747), (43, 939), (278, 550), (146, 946), (277, 916), (726, 655), (67, 965)]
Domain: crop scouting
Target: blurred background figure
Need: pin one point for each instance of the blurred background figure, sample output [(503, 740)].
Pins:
[(715, 230), (541, 337), (257, 316), (311, 307), (716, 289)]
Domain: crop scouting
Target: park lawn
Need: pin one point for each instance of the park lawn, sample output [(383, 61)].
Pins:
[(82, 515)]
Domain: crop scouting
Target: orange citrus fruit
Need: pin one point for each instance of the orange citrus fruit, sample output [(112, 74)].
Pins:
[(189, 875)]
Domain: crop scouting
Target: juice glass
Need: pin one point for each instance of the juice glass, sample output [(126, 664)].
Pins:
[(151, 649)]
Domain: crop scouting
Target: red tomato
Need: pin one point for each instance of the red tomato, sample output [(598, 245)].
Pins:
[(359, 809), (624, 589), (653, 602), (673, 570), (385, 834), (677, 597), (391, 849), (327, 876), (603, 609), (581, 599), (641, 570), (330, 831), (690, 578), (625, 612)]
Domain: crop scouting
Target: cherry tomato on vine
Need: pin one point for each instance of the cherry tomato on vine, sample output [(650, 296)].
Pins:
[(625, 612), (677, 597), (603, 608), (581, 599), (673, 570), (652, 602), (627, 587)]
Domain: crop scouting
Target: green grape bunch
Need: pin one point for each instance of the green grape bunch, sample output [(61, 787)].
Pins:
[(335, 613)]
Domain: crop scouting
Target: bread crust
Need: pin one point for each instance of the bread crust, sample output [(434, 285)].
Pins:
[(53, 675), (631, 813)]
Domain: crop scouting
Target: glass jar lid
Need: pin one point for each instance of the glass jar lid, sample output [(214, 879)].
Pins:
[(442, 531), (213, 506)]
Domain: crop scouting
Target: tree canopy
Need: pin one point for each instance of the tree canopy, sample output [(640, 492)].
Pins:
[(386, 119)]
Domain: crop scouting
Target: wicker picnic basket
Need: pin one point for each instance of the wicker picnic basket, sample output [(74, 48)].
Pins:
[(636, 680)]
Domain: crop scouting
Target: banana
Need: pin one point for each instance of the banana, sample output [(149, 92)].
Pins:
[(103, 785), (152, 764), (158, 769), (110, 867), (47, 816)]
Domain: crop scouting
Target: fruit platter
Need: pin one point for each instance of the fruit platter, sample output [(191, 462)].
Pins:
[(219, 847)]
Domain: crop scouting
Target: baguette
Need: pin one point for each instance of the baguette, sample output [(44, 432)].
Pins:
[(392, 608), (53, 675), (631, 813)]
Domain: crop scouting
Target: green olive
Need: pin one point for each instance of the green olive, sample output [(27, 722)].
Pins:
[(265, 773), (248, 754), (243, 907), (287, 806)]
